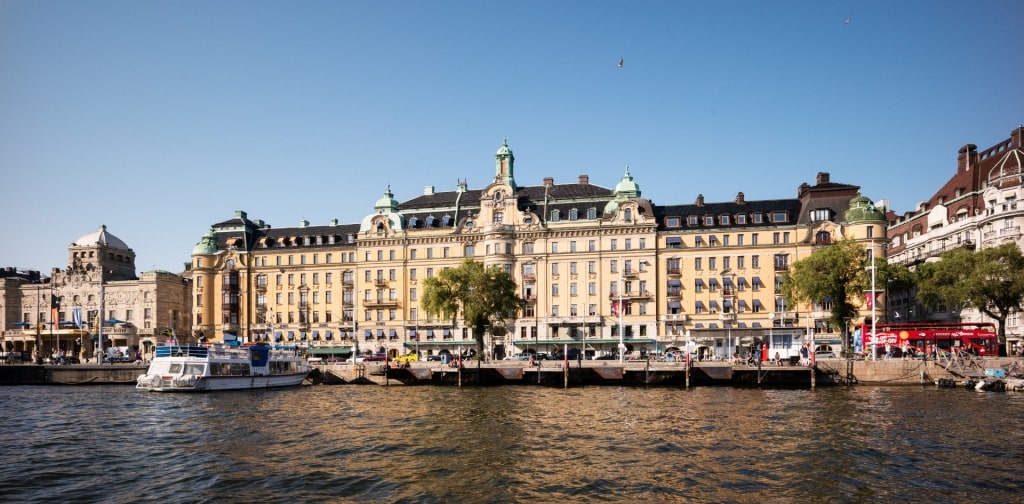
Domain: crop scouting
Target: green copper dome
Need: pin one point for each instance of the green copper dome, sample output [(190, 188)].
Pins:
[(626, 187), (207, 245), (387, 201), (863, 210)]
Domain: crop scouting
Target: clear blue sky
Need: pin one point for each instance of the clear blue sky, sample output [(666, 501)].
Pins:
[(158, 119)]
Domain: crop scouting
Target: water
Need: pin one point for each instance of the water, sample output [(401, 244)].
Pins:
[(511, 444)]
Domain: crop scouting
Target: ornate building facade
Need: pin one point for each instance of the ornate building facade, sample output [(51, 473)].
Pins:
[(98, 292), (596, 265), (979, 206)]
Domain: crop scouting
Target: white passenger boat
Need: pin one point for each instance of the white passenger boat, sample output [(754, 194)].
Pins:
[(222, 367)]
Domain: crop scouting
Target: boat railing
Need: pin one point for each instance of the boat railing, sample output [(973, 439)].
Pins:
[(182, 351)]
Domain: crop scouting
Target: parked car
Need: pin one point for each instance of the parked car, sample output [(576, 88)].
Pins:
[(824, 355), (377, 357), (407, 358)]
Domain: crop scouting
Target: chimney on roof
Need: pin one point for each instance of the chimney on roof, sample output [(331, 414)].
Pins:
[(800, 191), (303, 223), (549, 181), (966, 158), (584, 179), (461, 186), (428, 190), (240, 214), (334, 222), (740, 198), (822, 178), (700, 200), (1017, 137)]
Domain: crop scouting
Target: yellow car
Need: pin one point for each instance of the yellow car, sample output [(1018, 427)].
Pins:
[(407, 358)]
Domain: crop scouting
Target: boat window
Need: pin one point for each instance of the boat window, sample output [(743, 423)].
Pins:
[(175, 368), (195, 369)]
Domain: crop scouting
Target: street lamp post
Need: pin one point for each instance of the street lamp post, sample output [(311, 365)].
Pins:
[(874, 342)]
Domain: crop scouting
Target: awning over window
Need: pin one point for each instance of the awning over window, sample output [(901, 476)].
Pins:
[(698, 325), (756, 325), (743, 304), (328, 335), (446, 332), (673, 241), (713, 304), (741, 281), (699, 305), (698, 240), (673, 305), (757, 304), (674, 283), (291, 335), (741, 325), (380, 333), (369, 333), (726, 281), (713, 325), (430, 333), (277, 335), (819, 324), (302, 335), (316, 335), (713, 282), (412, 333), (699, 282), (393, 333), (726, 303)]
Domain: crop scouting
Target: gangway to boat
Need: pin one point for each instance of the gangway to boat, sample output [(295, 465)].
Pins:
[(961, 364)]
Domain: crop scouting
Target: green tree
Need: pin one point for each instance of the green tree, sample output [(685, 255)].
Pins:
[(484, 297), (990, 280), (839, 273)]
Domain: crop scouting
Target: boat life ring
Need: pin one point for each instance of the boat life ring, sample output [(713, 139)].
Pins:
[(155, 381)]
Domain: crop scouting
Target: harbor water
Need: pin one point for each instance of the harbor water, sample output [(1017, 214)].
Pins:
[(511, 444)]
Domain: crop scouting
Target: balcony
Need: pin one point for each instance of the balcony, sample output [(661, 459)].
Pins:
[(781, 267), (380, 303), (529, 277), (920, 254), (380, 282), (531, 300), (629, 273), (674, 272)]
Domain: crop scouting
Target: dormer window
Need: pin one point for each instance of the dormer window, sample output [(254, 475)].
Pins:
[(446, 220), (820, 215), (723, 220), (779, 217), (554, 215), (413, 221), (672, 222), (741, 219)]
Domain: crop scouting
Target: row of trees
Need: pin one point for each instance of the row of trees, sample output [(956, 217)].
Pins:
[(990, 280)]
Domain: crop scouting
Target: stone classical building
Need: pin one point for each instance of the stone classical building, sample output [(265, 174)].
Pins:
[(98, 292), (979, 206), (597, 265)]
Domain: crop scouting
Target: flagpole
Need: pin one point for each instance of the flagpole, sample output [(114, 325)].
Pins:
[(622, 346), (99, 325)]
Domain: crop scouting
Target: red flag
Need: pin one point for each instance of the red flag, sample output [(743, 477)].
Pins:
[(615, 308), (869, 301)]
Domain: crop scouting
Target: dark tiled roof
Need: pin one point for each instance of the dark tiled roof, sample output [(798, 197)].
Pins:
[(792, 206)]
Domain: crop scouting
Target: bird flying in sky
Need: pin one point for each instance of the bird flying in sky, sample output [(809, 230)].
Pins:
[(847, 21), (621, 62)]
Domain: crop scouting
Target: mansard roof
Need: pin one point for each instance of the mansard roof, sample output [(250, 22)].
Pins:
[(732, 208)]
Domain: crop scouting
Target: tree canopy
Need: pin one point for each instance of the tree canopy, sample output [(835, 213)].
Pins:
[(484, 297), (838, 273), (990, 280)]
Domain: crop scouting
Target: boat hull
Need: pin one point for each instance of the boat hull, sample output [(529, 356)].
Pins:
[(155, 383)]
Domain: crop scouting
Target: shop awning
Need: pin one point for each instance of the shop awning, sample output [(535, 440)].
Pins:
[(329, 350)]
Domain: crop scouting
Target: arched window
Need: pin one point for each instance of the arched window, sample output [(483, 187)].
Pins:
[(574, 214), (555, 215), (822, 238)]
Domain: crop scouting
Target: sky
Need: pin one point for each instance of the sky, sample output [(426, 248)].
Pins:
[(160, 118)]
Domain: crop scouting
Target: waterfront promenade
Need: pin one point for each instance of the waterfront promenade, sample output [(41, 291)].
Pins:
[(826, 372)]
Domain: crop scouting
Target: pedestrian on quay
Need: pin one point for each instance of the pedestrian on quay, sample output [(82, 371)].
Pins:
[(804, 356)]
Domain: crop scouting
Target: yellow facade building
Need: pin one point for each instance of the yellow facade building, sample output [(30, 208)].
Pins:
[(597, 266)]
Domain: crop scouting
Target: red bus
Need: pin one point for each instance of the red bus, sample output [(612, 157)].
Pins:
[(978, 338)]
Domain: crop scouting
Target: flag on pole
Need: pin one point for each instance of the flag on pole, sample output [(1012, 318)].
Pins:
[(76, 317), (54, 309), (616, 307)]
